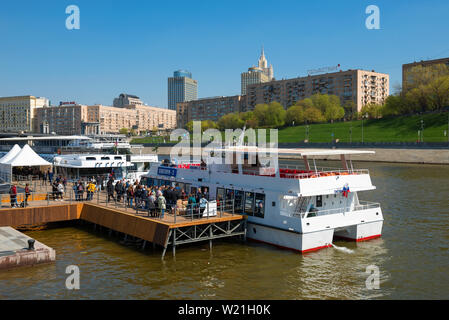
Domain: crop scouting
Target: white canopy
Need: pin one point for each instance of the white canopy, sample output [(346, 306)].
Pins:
[(27, 158), (11, 154)]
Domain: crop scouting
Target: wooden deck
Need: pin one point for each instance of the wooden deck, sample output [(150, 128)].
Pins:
[(118, 217)]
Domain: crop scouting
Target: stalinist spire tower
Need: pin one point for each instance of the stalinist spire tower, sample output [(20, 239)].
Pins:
[(261, 73), (263, 65)]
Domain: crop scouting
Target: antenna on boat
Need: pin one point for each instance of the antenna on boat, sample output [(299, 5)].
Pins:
[(242, 135)]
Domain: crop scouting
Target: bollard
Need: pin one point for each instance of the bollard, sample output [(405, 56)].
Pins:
[(31, 244)]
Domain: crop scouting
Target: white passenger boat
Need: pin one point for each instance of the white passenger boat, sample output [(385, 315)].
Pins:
[(301, 208), (130, 167)]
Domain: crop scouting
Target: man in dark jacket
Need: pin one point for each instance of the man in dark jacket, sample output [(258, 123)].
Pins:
[(110, 189)]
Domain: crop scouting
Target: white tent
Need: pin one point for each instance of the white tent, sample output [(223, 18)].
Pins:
[(11, 154), (24, 158), (27, 158)]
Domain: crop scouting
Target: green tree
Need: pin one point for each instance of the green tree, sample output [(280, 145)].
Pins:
[(230, 121), (123, 131), (334, 112), (313, 115), (294, 115), (250, 119), (276, 115), (373, 110)]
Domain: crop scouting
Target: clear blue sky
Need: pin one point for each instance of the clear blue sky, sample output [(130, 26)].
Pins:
[(133, 46)]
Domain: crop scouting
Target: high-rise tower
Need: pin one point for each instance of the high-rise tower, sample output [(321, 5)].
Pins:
[(181, 88), (261, 73)]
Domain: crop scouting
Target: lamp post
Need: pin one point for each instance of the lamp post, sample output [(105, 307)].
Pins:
[(350, 134), (363, 117), (422, 130)]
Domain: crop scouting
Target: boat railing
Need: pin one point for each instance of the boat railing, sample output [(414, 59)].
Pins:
[(303, 174), (363, 205)]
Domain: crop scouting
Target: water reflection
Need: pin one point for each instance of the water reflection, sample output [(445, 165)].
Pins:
[(412, 257)]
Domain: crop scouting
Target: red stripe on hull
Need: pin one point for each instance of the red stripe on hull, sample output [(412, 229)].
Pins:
[(287, 248), (360, 239)]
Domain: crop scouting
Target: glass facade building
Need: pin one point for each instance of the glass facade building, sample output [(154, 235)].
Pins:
[(181, 88)]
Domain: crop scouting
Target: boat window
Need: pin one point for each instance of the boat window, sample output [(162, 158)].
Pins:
[(238, 201), (150, 182), (193, 190), (91, 158), (117, 158), (220, 194), (187, 189), (259, 208), (155, 182), (182, 186), (229, 196), (249, 203), (105, 158), (144, 181), (319, 201)]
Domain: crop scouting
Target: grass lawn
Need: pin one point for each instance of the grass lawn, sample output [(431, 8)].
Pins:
[(399, 129)]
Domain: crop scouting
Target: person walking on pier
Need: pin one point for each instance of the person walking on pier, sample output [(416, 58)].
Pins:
[(60, 191), (110, 189), (161, 204), (90, 190), (27, 194), (13, 196)]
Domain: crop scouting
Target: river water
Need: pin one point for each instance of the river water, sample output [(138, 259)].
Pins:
[(412, 257)]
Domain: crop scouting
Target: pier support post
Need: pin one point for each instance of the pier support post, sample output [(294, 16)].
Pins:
[(210, 237), (174, 242), (144, 244)]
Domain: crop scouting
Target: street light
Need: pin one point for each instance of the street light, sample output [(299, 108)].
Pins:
[(422, 130), (363, 116), (350, 134)]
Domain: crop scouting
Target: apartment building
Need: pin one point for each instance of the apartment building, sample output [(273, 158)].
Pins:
[(71, 119), (141, 118), (100, 119), (424, 63), (212, 108), (125, 99), (17, 113), (360, 86)]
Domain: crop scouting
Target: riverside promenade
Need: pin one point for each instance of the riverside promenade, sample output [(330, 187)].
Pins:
[(393, 154), (175, 228)]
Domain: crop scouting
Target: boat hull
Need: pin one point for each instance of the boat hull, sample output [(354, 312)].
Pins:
[(286, 239)]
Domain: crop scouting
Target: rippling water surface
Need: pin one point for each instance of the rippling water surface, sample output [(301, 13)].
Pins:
[(412, 257)]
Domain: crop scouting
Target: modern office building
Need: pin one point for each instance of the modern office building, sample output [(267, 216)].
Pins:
[(424, 63), (260, 74), (360, 86), (181, 88), (207, 109), (126, 100), (17, 113)]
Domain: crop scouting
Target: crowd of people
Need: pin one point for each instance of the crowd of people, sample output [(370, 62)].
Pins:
[(157, 200)]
